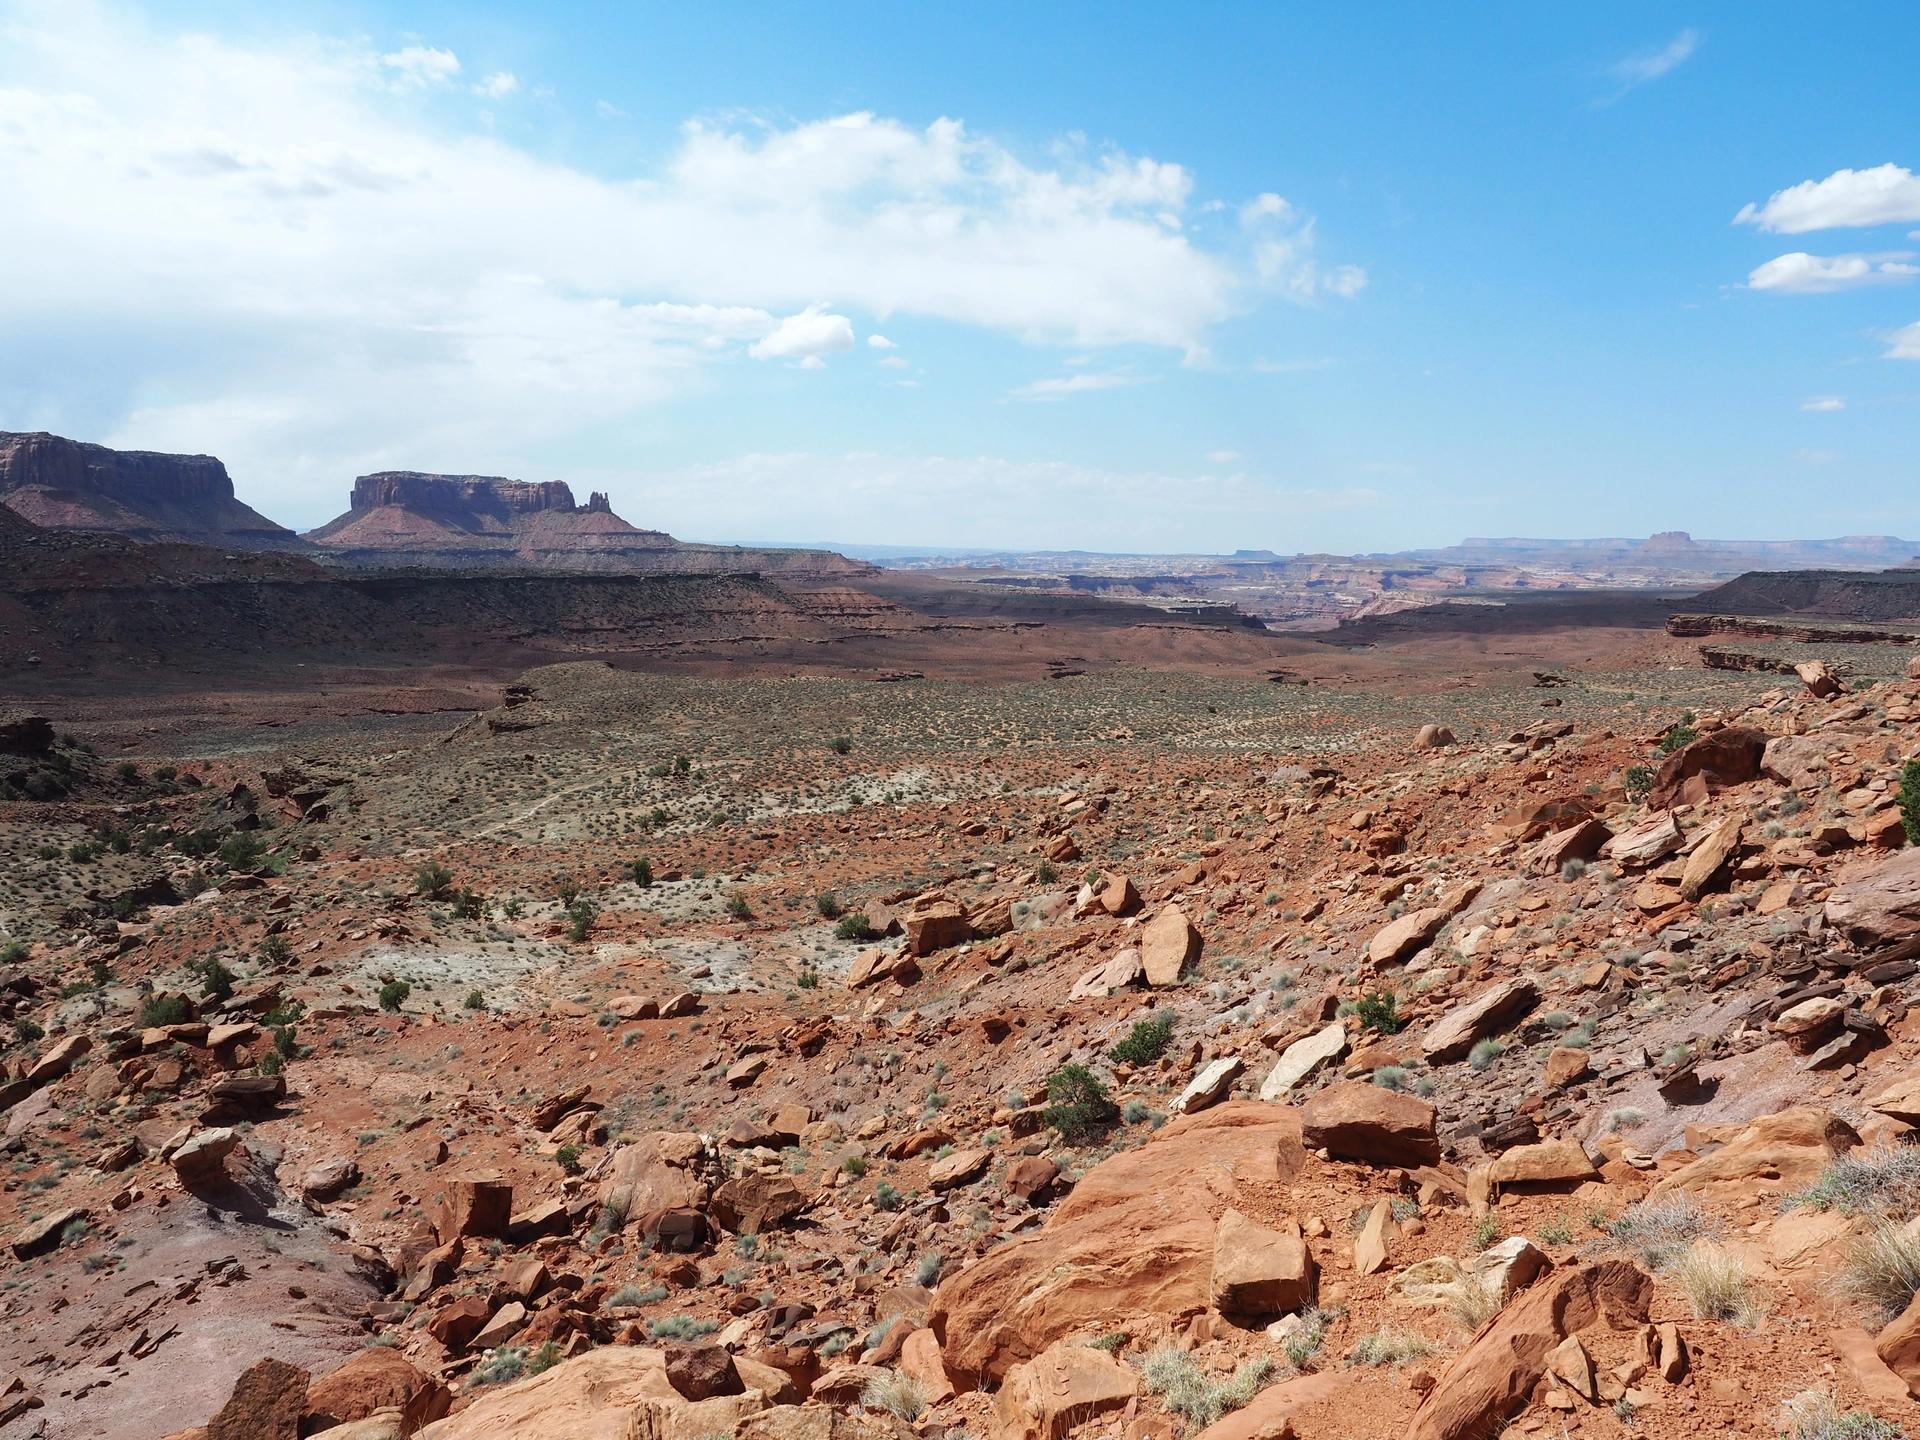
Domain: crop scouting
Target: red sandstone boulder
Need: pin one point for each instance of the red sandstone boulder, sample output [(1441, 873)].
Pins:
[(1135, 1237), (265, 1405), (1353, 1120), (1492, 1378), (470, 1207), (1722, 758), (375, 1379)]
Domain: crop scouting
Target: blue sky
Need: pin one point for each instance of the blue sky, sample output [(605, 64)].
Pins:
[(1147, 278)]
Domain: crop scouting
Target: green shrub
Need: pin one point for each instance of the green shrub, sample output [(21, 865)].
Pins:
[(162, 1010), (216, 980), (1380, 1013), (828, 904), (855, 927), (581, 914), (475, 1000), (432, 879), (242, 850), (886, 1197), (1638, 782), (1680, 736), (1908, 797), (394, 994), (1078, 1105), (840, 744), (738, 908), (1146, 1042)]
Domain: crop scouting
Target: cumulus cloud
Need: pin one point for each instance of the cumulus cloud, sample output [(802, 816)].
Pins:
[(1883, 195), (498, 85), (1904, 343), (1798, 273), (808, 336), (1650, 65), (305, 274), (1824, 404), (1059, 387), (881, 342)]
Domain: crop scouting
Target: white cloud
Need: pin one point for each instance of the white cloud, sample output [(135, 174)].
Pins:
[(1884, 195), (1651, 65), (808, 336), (992, 501), (416, 67), (1222, 457), (306, 276), (1798, 273), (893, 362), (881, 342), (1059, 387), (498, 85), (1824, 404), (1904, 343), (607, 110)]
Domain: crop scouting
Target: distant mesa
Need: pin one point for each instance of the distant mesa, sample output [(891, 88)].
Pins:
[(395, 518), (408, 517), (1668, 542), (412, 518), (62, 484)]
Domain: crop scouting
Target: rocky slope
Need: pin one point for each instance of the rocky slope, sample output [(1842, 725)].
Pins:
[(1332, 1081), (65, 484)]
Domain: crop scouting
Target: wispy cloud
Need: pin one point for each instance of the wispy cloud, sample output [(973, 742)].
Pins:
[(1904, 343), (1647, 66), (1060, 386), (1823, 404)]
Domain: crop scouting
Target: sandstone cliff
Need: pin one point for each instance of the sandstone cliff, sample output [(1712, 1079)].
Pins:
[(63, 484)]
